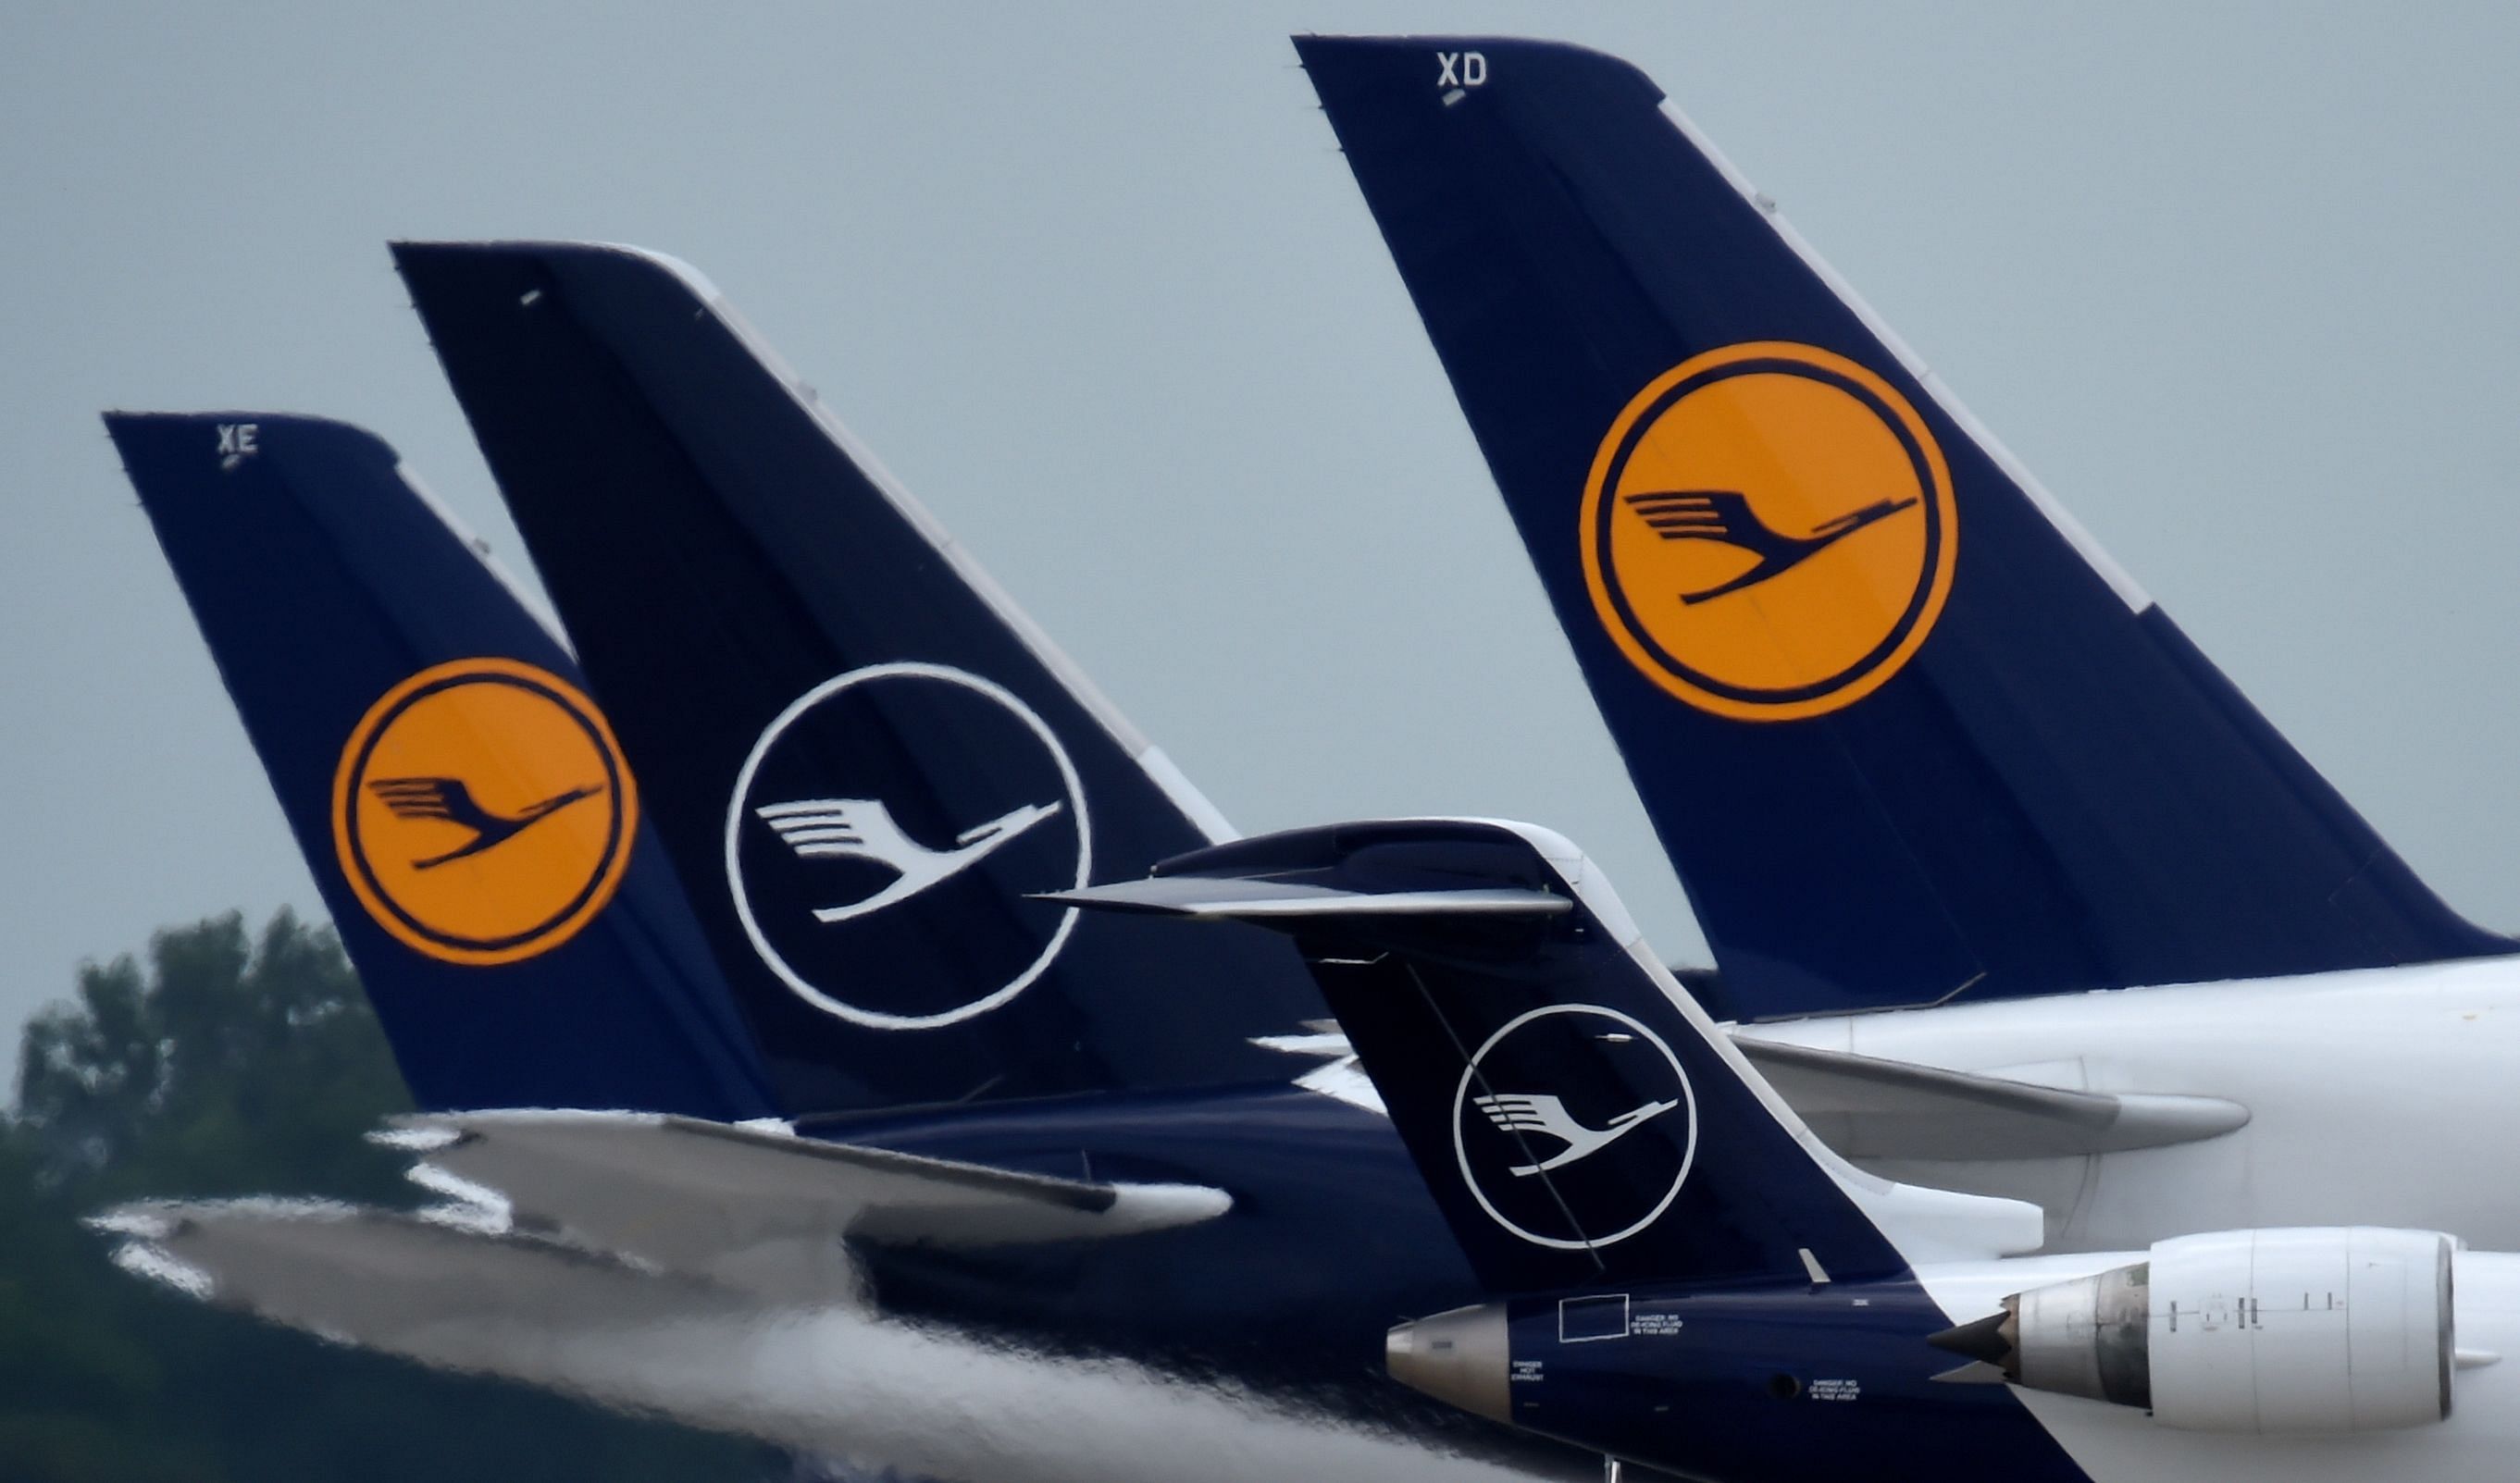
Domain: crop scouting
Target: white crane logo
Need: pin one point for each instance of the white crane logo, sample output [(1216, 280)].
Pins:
[(1548, 1115), (1502, 1141), (863, 829), (814, 955)]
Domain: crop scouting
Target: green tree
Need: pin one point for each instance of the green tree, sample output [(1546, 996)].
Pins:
[(238, 1063)]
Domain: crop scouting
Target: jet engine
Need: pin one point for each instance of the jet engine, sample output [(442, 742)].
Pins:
[(2316, 1329)]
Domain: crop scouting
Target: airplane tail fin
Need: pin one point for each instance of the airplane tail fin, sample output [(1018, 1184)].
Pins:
[(864, 760), (461, 803), (1904, 730), (1578, 1118)]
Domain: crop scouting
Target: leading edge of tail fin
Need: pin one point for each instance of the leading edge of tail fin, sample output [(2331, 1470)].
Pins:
[(864, 762), (1905, 731), (462, 804), (1578, 1119)]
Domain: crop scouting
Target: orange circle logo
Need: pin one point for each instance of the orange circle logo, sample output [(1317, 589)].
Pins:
[(1769, 531), (482, 810)]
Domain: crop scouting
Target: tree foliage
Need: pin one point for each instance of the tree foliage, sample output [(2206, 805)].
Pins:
[(238, 1063)]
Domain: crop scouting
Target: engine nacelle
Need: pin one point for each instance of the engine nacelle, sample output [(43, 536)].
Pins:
[(2316, 1329)]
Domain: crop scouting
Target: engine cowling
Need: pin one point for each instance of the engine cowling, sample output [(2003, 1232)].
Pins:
[(2314, 1329)]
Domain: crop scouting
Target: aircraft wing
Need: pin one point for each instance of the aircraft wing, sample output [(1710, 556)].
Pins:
[(833, 1379), (756, 1206), (1866, 1108), (389, 1278)]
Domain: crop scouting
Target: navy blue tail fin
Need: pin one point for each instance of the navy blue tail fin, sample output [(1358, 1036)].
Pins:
[(1904, 729), (462, 804), (1577, 1117), (864, 761)]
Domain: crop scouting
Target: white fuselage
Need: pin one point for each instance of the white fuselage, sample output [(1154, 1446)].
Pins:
[(2382, 1097)]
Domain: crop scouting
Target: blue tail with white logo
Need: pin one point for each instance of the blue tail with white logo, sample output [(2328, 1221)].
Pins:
[(1578, 1118), (865, 763), (1906, 732), (1673, 1260), (460, 801)]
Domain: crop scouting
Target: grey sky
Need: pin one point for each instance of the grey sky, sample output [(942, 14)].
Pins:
[(2236, 280)]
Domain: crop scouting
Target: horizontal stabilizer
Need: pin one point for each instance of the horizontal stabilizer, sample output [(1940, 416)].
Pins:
[(757, 1207), (1866, 1108)]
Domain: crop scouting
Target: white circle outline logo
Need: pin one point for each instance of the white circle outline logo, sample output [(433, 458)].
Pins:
[(770, 734), (1461, 1154)]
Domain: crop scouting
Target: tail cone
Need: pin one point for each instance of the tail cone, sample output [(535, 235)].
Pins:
[(1460, 1357)]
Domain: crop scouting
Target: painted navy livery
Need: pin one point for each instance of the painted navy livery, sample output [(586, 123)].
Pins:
[(1964, 755), (458, 800), (1466, 953), (866, 765)]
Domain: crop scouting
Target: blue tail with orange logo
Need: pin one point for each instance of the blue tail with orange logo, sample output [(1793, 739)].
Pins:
[(1578, 1119), (463, 806), (866, 764), (1906, 732)]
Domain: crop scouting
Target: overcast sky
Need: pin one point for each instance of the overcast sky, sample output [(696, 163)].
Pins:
[(2239, 282)]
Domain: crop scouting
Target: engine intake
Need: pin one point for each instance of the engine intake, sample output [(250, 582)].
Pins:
[(2316, 1329)]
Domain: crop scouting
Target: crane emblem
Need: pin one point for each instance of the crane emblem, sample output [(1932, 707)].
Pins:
[(863, 829)]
